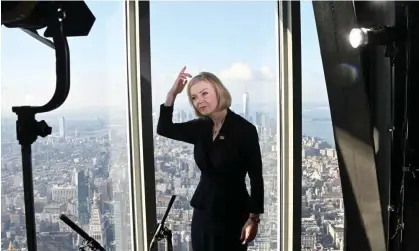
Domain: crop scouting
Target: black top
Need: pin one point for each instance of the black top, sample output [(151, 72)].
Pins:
[(223, 162)]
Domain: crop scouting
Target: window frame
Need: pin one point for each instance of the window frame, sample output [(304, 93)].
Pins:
[(141, 154), (290, 126), (289, 134)]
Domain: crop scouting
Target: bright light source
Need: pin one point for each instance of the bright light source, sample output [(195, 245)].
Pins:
[(358, 37), (374, 36)]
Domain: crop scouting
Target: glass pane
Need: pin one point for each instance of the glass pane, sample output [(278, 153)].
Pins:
[(237, 41), (322, 201), (82, 168)]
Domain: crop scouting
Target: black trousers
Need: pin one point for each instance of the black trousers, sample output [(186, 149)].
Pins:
[(210, 233)]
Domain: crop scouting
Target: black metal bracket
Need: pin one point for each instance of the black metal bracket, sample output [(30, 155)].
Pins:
[(62, 20), (165, 234), (28, 128)]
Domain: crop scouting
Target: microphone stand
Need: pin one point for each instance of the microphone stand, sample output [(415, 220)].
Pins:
[(91, 243), (28, 128), (162, 232)]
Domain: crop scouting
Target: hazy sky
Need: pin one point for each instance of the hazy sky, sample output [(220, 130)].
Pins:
[(236, 40)]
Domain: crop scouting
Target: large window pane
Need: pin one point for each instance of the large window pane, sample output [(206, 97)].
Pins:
[(236, 41), (82, 169), (322, 203)]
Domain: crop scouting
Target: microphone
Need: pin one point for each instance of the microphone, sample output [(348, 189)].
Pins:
[(81, 232)]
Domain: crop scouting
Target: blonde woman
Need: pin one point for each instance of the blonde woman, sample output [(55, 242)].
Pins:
[(226, 148)]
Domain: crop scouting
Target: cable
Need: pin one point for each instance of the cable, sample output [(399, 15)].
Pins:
[(406, 167), (405, 127), (390, 52)]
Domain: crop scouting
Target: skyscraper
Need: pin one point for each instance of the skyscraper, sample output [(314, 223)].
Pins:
[(82, 196), (95, 224), (61, 127), (246, 105), (121, 239)]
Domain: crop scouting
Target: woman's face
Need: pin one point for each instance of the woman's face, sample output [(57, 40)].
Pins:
[(204, 97)]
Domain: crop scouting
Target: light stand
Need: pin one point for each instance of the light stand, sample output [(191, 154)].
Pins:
[(28, 128), (91, 243), (62, 19), (403, 133), (391, 51), (162, 232)]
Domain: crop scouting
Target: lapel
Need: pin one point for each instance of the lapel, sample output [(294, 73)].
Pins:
[(227, 125), (225, 128), (222, 135)]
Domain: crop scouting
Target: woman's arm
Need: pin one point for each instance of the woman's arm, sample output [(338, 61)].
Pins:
[(254, 169), (185, 132)]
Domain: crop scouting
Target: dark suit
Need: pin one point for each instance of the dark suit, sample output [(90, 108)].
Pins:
[(221, 201)]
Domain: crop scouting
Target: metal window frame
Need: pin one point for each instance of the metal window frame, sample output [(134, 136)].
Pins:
[(290, 126), (141, 125), (143, 194)]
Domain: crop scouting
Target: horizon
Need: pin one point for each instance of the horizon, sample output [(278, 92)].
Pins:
[(306, 106)]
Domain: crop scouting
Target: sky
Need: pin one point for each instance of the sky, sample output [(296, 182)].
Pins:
[(235, 40)]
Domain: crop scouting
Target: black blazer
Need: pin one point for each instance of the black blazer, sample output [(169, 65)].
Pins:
[(223, 162)]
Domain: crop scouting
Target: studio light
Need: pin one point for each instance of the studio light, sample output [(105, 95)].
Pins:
[(31, 16), (359, 37)]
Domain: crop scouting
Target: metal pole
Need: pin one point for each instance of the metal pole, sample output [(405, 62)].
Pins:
[(26, 151)]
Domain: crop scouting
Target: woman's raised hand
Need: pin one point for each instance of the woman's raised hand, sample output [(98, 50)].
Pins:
[(180, 82)]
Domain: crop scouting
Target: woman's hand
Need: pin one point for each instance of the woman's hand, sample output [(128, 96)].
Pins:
[(180, 82), (249, 231)]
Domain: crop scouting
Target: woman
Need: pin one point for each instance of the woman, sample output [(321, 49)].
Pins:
[(226, 148)]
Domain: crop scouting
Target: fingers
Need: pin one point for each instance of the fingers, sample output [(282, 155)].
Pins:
[(184, 81), (183, 78), (247, 236), (185, 74), (243, 235), (183, 69)]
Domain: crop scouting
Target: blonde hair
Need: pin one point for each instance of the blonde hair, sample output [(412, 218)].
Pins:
[(223, 95)]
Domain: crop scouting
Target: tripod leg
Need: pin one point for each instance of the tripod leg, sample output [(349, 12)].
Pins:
[(28, 194), (168, 237)]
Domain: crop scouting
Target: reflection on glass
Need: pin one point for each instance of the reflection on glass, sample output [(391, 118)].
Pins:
[(322, 202), (82, 169), (236, 41)]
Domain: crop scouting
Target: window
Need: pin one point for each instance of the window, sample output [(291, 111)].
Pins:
[(82, 169), (238, 42), (322, 201)]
